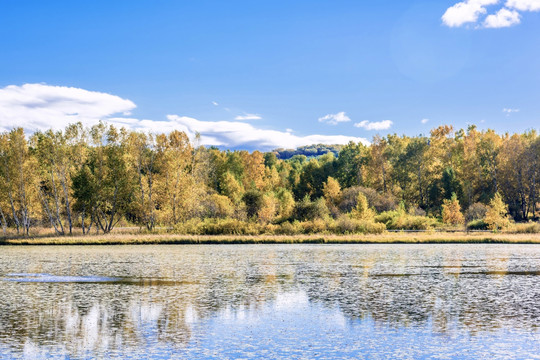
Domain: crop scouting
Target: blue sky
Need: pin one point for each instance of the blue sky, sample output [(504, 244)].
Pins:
[(263, 74)]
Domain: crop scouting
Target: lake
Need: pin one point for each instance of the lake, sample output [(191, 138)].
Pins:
[(270, 301)]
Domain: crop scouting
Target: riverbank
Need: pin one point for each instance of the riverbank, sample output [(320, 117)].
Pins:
[(385, 238)]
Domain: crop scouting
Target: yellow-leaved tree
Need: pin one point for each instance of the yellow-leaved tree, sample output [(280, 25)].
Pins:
[(496, 215), (362, 210), (332, 191), (451, 211)]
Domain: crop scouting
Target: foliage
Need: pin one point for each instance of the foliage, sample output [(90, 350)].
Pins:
[(451, 212), (95, 178), (478, 224), (527, 228), (399, 220), (496, 217), (310, 210), (476, 211)]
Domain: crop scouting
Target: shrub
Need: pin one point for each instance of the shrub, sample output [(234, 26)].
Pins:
[(476, 211), (379, 202), (287, 228), (399, 220), (218, 227), (478, 224), (229, 227), (315, 226), (306, 209), (346, 225), (527, 228)]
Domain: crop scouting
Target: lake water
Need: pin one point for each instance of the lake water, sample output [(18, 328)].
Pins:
[(271, 301)]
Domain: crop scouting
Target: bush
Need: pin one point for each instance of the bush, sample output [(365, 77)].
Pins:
[(287, 228), (398, 220), (476, 211), (218, 227), (478, 224), (346, 225), (527, 228), (380, 202), (316, 226), (307, 210)]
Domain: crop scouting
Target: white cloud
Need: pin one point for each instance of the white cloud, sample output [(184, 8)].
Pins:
[(334, 119), (509, 111), (503, 18), (40, 107), (248, 117), (240, 134), (470, 11), (424, 121), (215, 103), (374, 125), (524, 5), (466, 12)]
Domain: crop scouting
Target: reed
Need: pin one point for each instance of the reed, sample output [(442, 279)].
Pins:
[(384, 238)]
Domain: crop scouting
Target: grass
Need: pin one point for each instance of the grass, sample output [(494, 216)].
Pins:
[(385, 238)]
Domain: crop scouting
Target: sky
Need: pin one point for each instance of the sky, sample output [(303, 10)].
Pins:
[(269, 74)]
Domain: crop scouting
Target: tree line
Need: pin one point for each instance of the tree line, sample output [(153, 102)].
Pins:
[(93, 178)]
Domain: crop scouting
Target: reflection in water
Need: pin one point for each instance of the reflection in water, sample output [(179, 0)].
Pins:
[(339, 301)]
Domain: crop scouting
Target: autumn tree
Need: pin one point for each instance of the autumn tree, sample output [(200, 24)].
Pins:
[(451, 211), (496, 215)]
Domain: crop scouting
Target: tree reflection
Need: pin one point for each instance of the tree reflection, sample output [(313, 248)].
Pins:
[(415, 287)]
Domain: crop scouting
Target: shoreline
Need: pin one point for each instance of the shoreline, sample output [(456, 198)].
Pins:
[(385, 238)]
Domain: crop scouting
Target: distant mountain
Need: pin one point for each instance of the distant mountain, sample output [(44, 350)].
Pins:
[(308, 150)]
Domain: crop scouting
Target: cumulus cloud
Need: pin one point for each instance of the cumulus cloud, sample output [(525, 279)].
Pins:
[(334, 119), (466, 12), (502, 18), (524, 5), (424, 121), (40, 107), (470, 11), (248, 117), (374, 125)]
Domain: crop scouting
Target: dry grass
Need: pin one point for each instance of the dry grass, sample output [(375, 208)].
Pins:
[(397, 238)]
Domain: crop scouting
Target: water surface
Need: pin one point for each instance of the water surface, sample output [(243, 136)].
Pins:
[(271, 301)]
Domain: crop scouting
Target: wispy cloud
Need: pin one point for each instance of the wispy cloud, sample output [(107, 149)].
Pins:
[(334, 119), (509, 111), (41, 107), (374, 125), (471, 11), (248, 117), (424, 121), (235, 134), (215, 103)]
